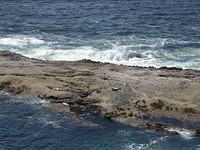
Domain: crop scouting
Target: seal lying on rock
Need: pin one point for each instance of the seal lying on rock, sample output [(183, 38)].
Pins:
[(118, 92)]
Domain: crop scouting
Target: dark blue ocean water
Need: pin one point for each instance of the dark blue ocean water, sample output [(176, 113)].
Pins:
[(132, 32), (32, 125)]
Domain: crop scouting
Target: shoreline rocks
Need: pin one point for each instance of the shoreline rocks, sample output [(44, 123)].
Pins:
[(122, 93)]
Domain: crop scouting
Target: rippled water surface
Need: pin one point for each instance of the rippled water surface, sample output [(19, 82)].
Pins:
[(26, 124), (132, 32)]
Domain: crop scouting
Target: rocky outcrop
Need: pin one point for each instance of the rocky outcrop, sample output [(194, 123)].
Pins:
[(122, 93)]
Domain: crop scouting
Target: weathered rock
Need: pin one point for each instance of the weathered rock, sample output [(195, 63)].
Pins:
[(120, 93)]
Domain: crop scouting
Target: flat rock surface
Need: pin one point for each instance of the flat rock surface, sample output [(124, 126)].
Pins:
[(122, 93)]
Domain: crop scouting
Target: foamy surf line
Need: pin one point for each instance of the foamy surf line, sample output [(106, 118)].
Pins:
[(185, 133), (20, 41), (130, 51)]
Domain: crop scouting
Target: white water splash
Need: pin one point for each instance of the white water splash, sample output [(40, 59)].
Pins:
[(128, 51), (20, 41), (185, 133), (3, 93), (135, 146)]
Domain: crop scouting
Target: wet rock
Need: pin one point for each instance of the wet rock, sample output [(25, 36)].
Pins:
[(197, 132), (59, 96)]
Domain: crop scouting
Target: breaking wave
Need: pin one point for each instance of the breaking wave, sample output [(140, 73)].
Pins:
[(20, 41), (131, 51)]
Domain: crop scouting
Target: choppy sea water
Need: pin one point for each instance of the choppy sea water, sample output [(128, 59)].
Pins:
[(26, 124), (131, 32)]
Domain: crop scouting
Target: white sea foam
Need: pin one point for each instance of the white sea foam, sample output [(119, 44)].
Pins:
[(120, 55), (185, 133), (135, 146), (31, 101), (128, 51), (3, 93), (20, 41)]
